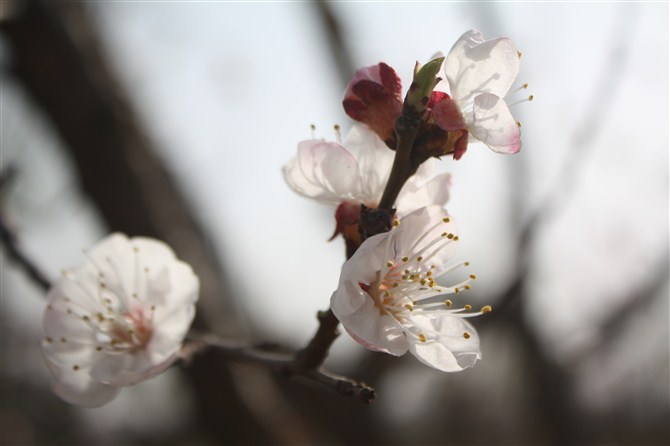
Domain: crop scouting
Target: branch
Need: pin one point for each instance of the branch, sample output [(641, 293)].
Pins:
[(285, 364)]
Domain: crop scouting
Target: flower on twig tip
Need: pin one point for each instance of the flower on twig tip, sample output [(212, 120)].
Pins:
[(480, 74), (387, 298), (118, 319), (374, 98), (355, 172)]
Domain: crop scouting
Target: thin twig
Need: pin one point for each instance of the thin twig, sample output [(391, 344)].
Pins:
[(286, 364)]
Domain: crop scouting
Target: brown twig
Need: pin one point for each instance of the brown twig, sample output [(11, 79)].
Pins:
[(287, 364)]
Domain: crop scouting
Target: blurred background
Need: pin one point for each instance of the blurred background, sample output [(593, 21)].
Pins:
[(174, 119)]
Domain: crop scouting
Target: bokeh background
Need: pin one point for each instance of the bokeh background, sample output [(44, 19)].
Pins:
[(174, 119)]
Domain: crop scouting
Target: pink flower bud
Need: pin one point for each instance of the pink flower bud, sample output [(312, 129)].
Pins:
[(374, 98)]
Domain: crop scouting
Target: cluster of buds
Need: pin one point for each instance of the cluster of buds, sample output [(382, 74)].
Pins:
[(388, 299)]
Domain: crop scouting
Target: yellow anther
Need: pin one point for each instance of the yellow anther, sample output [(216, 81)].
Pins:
[(423, 282), (530, 98), (396, 223), (467, 307), (455, 238), (486, 309), (518, 124), (409, 307), (467, 264), (418, 259), (387, 294), (429, 273), (473, 277), (467, 287), (466, 335), (395, 284), (49, 340), (405, 259), (422, 337), (519, 53), (456, 290), (446, 220), (312, 126), (524, 85), (75, 367), (450, 236), (336, 127), (448, 302), (84, 318), (444, 234), (406, 271), (389, 264)]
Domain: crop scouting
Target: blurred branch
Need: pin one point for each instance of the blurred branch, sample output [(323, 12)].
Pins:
[(20, 258), (580, 144), (634, 302), (333, 31), (56, 55)]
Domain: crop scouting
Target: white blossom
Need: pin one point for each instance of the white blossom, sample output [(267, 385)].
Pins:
[(388, 300), (357, 171), (118, 319), (480, 74)]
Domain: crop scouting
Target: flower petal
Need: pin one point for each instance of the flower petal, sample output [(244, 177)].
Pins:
[(493, 124), (418, 229), (77, 387), (374, 161), (375, 332), (415, 195), (324, 171), (449, 351), (475, 66)]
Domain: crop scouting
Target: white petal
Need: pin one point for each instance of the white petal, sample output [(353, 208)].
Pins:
[(324, 171), (475, 66), (450, 351), (416, 194), (70, 353), (60, 324), (129, 369), (493, 124), (420, 228), (77, 387), (374, 331), (374, 159)]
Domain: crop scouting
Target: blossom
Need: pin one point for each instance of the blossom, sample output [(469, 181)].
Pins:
[(480, 74), (118, 319), (387, 298), (356, 171)]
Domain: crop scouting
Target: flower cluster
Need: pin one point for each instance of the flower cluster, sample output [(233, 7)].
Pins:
[(388, 299), (117, 320)]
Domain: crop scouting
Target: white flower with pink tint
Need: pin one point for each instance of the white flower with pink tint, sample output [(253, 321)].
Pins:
[(356, 171), (388, 299), (118, 319), (480, 74)]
